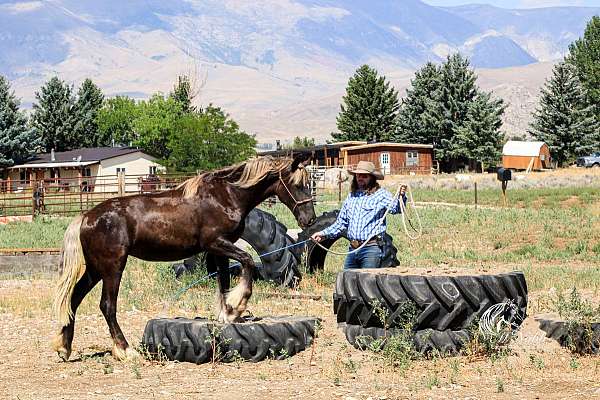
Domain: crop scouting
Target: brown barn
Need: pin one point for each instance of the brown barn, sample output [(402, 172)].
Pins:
[(526, 155), (392, 158)]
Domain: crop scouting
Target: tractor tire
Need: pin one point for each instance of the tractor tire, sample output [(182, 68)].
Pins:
[(315, 255), (578, 338), (426, 341), (264, 234), (201, 340), (441, 302)]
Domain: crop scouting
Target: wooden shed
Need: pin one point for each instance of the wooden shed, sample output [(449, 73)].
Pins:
[(392, 158), (526, 155)]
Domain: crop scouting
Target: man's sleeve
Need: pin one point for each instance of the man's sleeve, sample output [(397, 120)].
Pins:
[(387, 200), (340, 223)]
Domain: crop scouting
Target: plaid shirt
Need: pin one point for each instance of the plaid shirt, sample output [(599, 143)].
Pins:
[(361, 213)]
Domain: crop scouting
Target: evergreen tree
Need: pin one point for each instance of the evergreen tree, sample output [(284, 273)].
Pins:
[(302, 142), (89, 102), (54, 116), (182, 93), (415, 123), (369, 108), (479, 139), (563, 120), (584, 54), (18, 142), (457, 92)]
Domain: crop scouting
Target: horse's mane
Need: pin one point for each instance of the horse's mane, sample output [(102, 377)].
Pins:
[(245, 174)]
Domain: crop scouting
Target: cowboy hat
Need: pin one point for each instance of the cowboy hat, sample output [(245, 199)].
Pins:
[(367, 167)]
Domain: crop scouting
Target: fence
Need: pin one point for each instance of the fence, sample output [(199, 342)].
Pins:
[(65, 196)]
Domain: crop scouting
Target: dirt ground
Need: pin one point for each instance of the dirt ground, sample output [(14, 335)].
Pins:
[(537, 368)]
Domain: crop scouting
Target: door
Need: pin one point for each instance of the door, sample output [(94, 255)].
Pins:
[(384, 163)]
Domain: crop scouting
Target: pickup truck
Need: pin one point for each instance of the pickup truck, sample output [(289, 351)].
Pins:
[(593, 160)]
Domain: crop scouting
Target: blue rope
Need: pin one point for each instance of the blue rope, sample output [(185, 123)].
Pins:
[(234, 265)]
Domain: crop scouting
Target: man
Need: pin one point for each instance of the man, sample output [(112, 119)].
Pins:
[(360, 214)]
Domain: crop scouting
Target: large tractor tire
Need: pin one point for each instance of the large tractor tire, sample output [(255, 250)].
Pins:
[(265, 235), (425, 341), (441, 302), (579, 338), (200, 340), (315, 255)]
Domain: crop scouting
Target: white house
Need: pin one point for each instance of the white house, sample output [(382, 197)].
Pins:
[(92, 169)]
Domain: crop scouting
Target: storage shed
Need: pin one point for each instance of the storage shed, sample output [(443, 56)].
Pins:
[(526, 155)]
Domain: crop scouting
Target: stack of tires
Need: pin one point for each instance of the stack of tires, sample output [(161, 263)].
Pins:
[(444, 309)]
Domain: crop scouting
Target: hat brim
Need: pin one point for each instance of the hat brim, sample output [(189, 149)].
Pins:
[(376, 174)]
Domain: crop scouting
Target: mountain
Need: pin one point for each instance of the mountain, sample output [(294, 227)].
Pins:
[(279, 67)]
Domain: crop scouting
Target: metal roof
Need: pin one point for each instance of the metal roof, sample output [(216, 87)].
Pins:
[(64, 164), (82, 155), (519, 148), (388, 144)]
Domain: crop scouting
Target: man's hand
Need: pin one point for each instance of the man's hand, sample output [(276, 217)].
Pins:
[(317, 236), (402, 190)]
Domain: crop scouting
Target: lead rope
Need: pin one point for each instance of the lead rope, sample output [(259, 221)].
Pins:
[(403, 210)]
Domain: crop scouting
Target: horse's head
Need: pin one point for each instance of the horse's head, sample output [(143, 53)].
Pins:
[(293, 190)]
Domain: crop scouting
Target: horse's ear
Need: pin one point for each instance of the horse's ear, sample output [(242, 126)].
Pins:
[(302, 158)]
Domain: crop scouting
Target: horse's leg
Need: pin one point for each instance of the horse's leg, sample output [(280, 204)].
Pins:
[(64, 340), (108, 304), (237, 299), (222, 309)]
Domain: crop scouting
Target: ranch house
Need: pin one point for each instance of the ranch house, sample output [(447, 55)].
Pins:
[(90, 169)]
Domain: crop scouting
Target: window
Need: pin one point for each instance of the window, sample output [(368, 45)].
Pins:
[(86, 172), (412, 158), (120, 170), (23, 176), (152, 170)]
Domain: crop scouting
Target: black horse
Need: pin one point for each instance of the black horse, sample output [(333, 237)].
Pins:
[(205, 213)]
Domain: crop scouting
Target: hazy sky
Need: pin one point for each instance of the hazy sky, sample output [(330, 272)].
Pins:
[(517, 3)]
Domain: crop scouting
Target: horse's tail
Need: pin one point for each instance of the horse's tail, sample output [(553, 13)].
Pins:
[(72, 269)]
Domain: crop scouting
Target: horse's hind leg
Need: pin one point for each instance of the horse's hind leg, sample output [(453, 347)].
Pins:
[(64, 340), (108, 304)]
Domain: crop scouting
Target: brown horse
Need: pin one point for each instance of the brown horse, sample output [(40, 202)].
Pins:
[(205, 213)]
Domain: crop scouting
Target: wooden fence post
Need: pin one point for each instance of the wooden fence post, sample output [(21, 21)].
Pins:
[(475, 195), (121, 183)]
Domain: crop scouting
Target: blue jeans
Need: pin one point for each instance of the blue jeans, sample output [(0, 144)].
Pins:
[(367, 257)]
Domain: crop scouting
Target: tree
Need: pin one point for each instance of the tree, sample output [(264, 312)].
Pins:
[(369, 108), (584, 54), (302, 142), (479, 139), (415, 124), (208, 140), (183, 94), (18, 142), (88, 104), (54, 116), (155, 123), (115, 121), (446, 108), (563, 120)]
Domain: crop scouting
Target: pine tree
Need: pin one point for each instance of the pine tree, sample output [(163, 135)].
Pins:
[(54, 116), (18, 142), (369, 108), (415, 124), (563, 120), (584, 54), (89, 102), (479, 139), (457, 92)]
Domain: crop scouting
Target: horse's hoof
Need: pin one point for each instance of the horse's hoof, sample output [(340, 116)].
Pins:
[(128, 354), (63, 353)]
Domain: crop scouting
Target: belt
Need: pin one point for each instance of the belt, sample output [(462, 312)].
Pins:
[(355, 244)]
